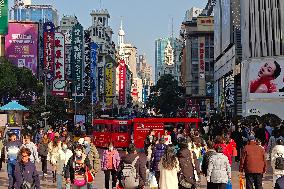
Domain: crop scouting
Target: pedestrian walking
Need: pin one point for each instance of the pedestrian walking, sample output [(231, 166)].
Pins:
[(11, 152), (169, 168), (157, 154), (66, 154), (149, 144), (219, 170), (277, 160), (39, 135), (251, 154), (167, 137), (132, 169), (27, 143), (53, 153), (26, 175), (190, 169), (76, 169), (110, 164), (43, 152)]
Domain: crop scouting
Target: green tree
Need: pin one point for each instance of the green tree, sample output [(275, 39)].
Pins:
[(55, 105), (166, 96), (18, 83)]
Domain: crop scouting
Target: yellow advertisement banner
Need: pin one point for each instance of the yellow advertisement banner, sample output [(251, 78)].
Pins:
[(109, 82)]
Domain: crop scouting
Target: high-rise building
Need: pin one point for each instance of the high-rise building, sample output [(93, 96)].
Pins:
[(101, 33), (198, 63), (262, 67), (167, 57), (34, 13), (228, 56)]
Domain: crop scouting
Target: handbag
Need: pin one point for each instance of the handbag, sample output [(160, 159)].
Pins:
[(79, 180), (153, 184), (26, 184), (89, 176), (184, 183)]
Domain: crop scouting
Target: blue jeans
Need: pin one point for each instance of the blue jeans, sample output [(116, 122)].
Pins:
[(10, 171), (59, 181)]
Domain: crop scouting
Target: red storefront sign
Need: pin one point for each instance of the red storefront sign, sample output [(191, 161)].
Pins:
[(122, 82)]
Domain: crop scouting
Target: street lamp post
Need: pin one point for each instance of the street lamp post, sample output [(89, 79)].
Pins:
[(75, 113)]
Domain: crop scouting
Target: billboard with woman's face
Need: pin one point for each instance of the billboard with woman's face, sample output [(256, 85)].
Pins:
[(266, 78)]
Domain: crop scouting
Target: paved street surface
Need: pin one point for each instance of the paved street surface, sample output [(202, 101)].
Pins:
[(99, 180)]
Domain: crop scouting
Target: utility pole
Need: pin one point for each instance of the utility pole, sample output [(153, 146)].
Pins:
[(45, 96)]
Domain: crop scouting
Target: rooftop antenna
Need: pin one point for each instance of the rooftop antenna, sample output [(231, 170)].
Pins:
[(172, 27), (100, 4)]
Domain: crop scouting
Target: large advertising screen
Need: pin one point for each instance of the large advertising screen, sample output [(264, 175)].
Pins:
[(226, 23), (217, 29), (3, 17), (266, 78), (21, 44)]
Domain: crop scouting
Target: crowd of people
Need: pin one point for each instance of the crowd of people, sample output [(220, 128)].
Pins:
[(176, 160)]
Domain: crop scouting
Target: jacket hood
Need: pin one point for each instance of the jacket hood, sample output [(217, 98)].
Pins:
[(129, 158)]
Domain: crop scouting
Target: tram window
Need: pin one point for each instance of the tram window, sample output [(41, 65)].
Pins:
[(100, 128), (123, 129)]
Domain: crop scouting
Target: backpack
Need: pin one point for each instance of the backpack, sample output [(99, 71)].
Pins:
[(129, 175), (279, 162)]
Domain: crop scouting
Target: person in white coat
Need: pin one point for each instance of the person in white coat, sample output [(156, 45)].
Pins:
[(277, 151), (169, 168)]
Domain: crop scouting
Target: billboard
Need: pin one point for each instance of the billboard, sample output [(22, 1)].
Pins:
[(3, 17), (59, 68), (77, 58), (21, 45), (93, 73), (87, 65), (226, 26), (48, 46), (205, 23), (266, 78), (122, 82), (109, 81)]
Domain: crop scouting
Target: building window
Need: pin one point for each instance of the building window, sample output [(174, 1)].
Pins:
[(207, 66), (63, 23), (194, 53), (194, 42), (72, 23), (100, 20)]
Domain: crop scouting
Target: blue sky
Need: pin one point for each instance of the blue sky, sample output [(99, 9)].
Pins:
[(144, 20)]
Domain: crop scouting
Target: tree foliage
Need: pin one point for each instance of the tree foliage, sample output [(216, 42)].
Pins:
[(166, 96), (55, 105), (18, 83)]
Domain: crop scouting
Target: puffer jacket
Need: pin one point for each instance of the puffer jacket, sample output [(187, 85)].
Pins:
[(115, 160), (279, 183), (186, 164), (157, 154), (219, 169), (277, 151)]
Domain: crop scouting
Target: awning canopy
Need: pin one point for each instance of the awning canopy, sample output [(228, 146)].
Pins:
[(13, 106)]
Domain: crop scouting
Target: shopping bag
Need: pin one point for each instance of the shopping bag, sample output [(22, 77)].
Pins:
[(153, 181), (229, 185), (235, 152), (242, 183)]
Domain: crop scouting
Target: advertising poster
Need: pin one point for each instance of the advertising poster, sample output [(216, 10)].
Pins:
[(77, 59), (48, 46), (266, 78), (59, 68), (80, 119), (100, 82), (122, 82), (93, 73), (21, 45), (3, 17), (109, 80)]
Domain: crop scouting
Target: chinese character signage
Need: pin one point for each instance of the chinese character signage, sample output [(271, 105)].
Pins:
[(3, 17), (77, 58), (100, 81), (202, 57), (109, 81), (122, 82), (21, 45), (87, 55), (48, 47), (205, 23), (93, 73), (59, 68)]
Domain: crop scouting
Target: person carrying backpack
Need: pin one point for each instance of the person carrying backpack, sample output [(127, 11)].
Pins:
[(132, 169), (277, 160), (110, 164)]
